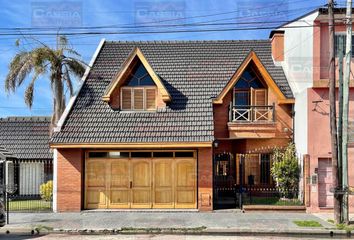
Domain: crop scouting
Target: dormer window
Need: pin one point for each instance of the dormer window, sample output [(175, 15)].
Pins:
[(139, 92), (136, 87)]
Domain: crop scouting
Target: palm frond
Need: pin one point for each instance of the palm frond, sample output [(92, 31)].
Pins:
[(75, 66), (30, 90), (68, 81), (15, 67)]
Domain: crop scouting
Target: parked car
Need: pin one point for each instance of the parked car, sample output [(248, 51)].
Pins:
[(2, 214)]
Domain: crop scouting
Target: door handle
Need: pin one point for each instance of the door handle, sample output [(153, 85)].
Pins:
[(131, 184)]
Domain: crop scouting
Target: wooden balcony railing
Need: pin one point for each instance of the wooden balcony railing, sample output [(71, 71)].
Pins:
[(251, 113)]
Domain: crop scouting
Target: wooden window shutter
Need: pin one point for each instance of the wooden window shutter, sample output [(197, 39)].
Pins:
[(150, 99), (126, 99), (260, 97), (138, 98)]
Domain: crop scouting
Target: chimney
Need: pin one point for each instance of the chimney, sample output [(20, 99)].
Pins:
[(277, 41)]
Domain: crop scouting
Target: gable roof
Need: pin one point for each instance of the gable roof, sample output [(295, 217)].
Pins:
[(250, 58), (26, 137), (193, 72), (117, 80)]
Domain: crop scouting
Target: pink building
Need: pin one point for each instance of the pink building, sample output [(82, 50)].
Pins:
[(303, 53)]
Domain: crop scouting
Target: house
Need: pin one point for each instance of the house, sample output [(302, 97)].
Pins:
[(304, 56), (6, 169), (174, 125), (26, 140)]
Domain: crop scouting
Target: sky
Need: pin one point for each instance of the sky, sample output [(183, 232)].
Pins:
[(122, 16)]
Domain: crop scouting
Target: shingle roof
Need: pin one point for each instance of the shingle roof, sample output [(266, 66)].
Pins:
[(26, 137), (5, 154), (193, 72)]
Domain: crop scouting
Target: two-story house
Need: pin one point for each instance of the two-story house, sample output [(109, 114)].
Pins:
[(301, 47), (171, 125)]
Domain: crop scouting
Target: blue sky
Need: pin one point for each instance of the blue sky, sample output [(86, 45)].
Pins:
[(93, 13)]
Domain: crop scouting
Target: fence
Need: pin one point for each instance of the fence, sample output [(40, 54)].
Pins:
[(258, 195), (23, 186)]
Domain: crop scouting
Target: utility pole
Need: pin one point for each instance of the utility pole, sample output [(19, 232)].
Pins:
[(333, 120), (340, 119), (348, 58)]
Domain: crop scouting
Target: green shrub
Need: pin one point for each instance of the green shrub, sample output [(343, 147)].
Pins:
[(285, 170), (46, 190)]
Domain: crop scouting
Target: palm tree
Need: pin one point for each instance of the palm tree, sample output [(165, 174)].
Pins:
[(58, 63)]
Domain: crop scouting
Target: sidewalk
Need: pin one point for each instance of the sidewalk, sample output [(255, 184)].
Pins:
[(205, 222)]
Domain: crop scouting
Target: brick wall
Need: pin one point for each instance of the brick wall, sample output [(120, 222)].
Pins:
[(69, 189), (205, 179)]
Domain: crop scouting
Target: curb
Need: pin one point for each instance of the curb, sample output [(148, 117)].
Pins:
[(303, 232)]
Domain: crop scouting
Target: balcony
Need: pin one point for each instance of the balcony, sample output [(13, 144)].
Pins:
[(250, 121)]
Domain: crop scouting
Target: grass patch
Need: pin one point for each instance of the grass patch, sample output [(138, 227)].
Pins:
[(308, 223), (272, 201), (30, 205), (347, 228), (330, 221)]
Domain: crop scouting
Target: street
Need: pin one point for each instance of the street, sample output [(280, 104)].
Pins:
[(143, 237)]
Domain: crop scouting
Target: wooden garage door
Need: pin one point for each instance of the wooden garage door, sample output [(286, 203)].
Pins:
[(140, 183), (325, 196)]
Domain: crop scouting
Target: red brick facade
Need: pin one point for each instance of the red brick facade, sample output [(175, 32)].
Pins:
[(69, 180), (205, 179)]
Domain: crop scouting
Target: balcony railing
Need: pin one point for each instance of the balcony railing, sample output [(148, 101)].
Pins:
[(251, 113)]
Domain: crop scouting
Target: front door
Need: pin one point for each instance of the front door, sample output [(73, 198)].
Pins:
[(225, 195), (325, 196)]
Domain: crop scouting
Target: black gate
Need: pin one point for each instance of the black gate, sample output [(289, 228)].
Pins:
[(29, 186), (224, 185)]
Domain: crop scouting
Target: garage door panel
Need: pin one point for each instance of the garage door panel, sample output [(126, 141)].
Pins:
[(95, 172), (163, 197), (185, 183), (185, 174), (96, 198), (120, 174), (141, 183), (163, 183), (141, 173), (185, 197)]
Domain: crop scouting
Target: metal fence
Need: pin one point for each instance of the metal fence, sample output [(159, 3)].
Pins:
[(28, 186), (258, 195)]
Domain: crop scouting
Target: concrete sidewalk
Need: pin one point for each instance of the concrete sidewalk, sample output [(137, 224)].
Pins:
[(206, 222)]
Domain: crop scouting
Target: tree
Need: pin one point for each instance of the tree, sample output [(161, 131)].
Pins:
[(285, 170), (58, 63)]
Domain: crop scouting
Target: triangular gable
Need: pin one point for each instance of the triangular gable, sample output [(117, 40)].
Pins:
[(252, 57), (118, 80)]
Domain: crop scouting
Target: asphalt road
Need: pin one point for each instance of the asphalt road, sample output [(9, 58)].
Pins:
[(147, 237)]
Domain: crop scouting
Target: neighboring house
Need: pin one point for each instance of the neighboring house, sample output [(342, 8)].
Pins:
[(303, 53), (6, 168), (27, 140), (171, 125)]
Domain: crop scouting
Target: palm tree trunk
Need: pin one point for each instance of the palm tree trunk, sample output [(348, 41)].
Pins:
[(59, 103)]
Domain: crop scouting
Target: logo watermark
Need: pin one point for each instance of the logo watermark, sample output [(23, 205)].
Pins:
[(56, 14), (261, 10), (163, 13)]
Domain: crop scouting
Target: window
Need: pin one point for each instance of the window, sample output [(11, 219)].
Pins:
[(265, 169), (250, 97), (337, 39), (139, 93)]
